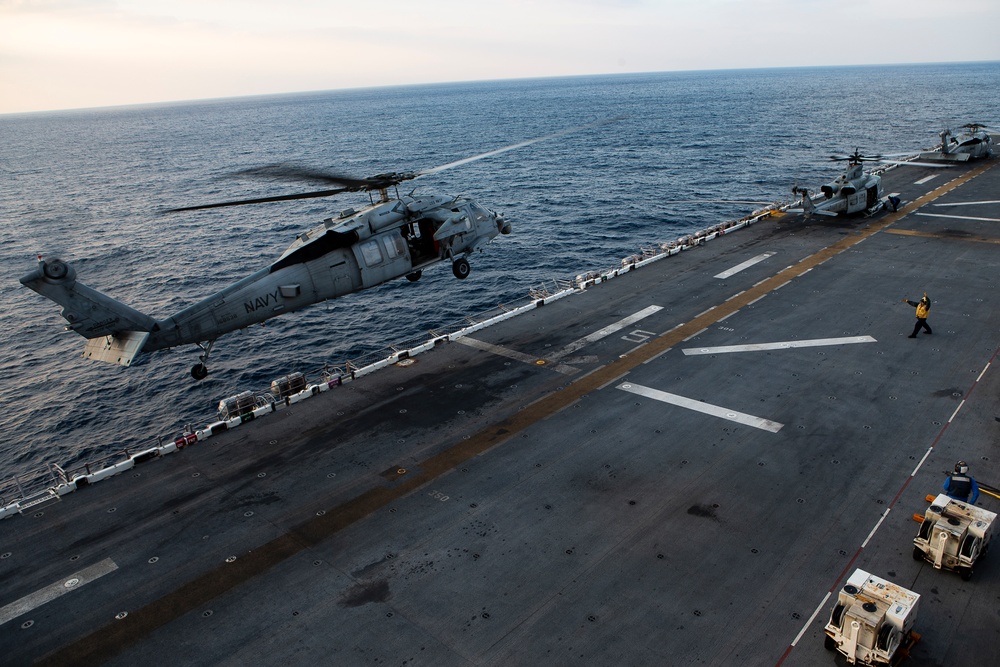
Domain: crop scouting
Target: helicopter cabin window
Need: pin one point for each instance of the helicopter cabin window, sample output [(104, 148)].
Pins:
[(371, 252), (394, 246)]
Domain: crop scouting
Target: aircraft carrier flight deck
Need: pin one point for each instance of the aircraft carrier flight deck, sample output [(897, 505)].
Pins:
[(679, 466)]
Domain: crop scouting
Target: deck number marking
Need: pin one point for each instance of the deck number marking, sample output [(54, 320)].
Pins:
[(605, 332), (638, 336)]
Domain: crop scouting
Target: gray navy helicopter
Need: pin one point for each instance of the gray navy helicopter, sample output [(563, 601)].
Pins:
[(394, 237), (854, 191), (969, 141)]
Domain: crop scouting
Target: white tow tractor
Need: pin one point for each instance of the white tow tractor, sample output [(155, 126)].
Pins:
[(872, 622), (953, 534)]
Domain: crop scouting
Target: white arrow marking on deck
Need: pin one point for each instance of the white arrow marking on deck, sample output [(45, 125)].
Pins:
[(71, 583), (757, 347), (925, 179), (604, 333), (957, 217), (699, 406), (745, 265)]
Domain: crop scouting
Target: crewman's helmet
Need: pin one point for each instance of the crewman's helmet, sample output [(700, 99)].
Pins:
[(961, 467), (924, 299)]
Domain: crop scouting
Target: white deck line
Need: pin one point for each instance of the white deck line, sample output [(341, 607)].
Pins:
[(926, 179), (758, 347), (926, 454), (872, 534), (745, 265), (71, 583), (971, 203), (811, 619), (953, 414), (704, 408), (957, 217)]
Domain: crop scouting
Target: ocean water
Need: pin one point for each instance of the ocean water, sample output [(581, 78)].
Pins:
[(89, 186)]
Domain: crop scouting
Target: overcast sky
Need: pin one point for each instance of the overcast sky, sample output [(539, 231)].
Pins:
[(59, 54)]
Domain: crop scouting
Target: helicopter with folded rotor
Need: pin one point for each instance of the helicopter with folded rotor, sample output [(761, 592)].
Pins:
[(853, 191), (970, 141)]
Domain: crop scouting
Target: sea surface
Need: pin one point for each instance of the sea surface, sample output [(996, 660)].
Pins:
[(89, 186)]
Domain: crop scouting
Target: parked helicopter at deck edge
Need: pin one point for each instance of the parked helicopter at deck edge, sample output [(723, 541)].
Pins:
[(972, 140), (394, 237), (853, 191)]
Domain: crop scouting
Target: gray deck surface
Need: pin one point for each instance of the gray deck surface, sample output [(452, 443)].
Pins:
[(481, 508)]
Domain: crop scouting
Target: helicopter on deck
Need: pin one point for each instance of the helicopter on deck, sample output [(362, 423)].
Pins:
[(854, 191), (396, 236), (969, 141)]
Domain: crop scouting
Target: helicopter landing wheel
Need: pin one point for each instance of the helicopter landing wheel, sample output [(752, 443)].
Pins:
[(415, 276), (199, 371), (461, 268)]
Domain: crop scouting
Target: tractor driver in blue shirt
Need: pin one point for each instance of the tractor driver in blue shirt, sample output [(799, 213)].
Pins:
[(960, 485)]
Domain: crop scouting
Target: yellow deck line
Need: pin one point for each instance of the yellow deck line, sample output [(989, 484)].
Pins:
[(949, 237)]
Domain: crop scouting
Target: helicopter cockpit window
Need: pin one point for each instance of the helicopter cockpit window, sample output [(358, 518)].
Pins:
[(370, 251), (479, 213)]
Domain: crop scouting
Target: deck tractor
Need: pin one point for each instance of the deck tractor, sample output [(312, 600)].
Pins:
[(872, 622), (953, 534)]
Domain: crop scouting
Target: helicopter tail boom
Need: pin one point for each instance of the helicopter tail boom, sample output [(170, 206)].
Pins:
[(808, 207), (117, 332)]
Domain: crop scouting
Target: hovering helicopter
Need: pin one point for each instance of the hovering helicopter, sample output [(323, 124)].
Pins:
[(970, 141), (355, 250), (854, 190)]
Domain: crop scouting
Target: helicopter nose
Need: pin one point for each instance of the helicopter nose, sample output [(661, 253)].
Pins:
[(502, 224)]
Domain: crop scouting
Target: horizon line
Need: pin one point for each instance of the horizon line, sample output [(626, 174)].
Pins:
[(316, 91)]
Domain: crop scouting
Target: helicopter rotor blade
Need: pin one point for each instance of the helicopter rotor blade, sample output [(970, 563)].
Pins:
[(262, 200), (352, 184), (857, 157), (974, 127), (935, 165), (299, 173), (520, 144), (717, 201)]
